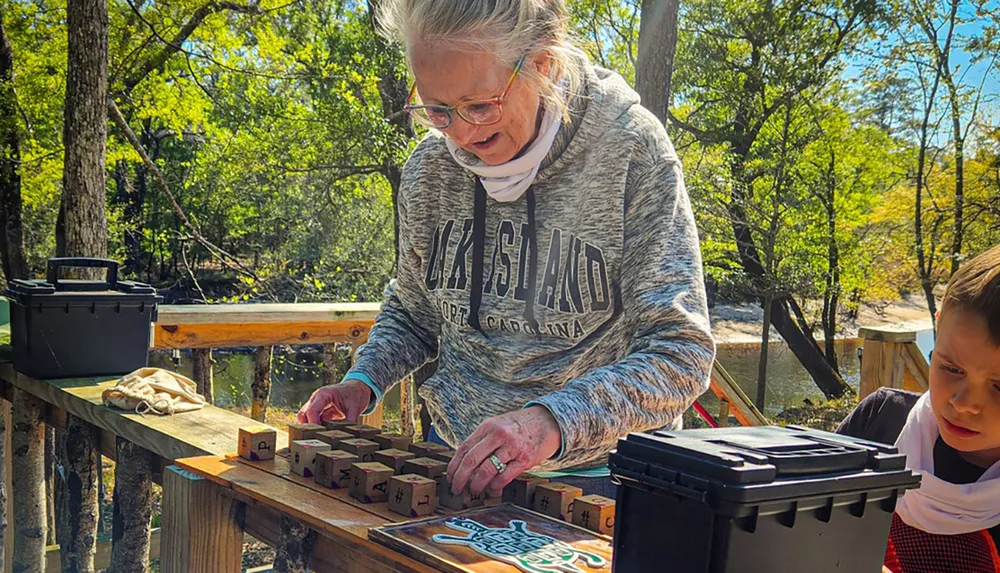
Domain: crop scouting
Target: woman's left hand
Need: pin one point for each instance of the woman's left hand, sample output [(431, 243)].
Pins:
[(521, 439)]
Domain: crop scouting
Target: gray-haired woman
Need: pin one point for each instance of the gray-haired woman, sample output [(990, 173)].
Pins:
[(548, 253)]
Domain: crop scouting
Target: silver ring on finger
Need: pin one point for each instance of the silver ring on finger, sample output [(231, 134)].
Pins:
[(500, 466)]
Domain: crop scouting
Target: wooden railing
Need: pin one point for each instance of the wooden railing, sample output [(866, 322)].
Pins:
[(891, 359), (144, 446)]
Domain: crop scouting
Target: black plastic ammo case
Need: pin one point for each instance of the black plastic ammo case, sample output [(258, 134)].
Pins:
[(64, 328), (754, 500)]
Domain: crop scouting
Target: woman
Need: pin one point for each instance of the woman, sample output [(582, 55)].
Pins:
[(548, 253)]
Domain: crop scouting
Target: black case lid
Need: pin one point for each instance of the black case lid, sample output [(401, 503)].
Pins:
[(754, 463), (55, 290)]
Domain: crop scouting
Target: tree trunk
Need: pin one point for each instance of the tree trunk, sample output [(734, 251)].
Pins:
[(295, 543), (959, 229), (802, 345), (329, 368), (28, 480), (261, 387), (765, 340), (657, 46), (133, 506), (51, 486), (202, 372), (127, 196), (12, 238), (831, 294), (79, 511), (4, 531), (85, 129)]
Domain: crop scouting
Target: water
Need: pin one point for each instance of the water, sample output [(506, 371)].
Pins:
[(295, 375)]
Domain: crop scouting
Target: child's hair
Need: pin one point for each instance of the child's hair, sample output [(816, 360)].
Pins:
[(976, 288)]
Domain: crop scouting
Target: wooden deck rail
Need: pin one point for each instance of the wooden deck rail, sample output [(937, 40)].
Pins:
[(144, 446), (892, 359)]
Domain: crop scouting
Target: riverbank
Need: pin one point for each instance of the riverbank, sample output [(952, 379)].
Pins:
[(741, 323)]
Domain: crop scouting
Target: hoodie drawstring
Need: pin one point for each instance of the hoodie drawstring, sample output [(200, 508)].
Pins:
[(478, 248)]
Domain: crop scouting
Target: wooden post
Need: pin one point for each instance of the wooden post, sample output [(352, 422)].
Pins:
[(885, 360), (201, 363), (28, 469), (51, 485), (4, 489), (295, 543), (202, 527), (133, 497), (359, 337), (723, 413), (79, 511), (329, 364), (261, 386), (406, 407)]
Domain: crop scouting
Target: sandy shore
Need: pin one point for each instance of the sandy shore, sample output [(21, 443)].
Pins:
[(741, 323)]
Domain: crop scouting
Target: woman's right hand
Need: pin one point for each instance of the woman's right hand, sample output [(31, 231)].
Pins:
[(346, 400)]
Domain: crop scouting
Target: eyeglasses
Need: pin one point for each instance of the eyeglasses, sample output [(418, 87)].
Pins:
[(484, 112)]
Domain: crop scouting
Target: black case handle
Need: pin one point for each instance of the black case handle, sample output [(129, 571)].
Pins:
[(110, 281)]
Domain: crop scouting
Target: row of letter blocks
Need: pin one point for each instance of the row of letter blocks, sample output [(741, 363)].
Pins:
[(562, 501)]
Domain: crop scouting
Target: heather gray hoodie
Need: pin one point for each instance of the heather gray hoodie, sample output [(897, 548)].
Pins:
[(584, 296)]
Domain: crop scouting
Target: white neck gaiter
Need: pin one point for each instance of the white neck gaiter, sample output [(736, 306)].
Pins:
[(508, 181)]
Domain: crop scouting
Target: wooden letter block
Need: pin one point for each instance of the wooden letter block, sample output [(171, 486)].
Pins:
[(426, 467), (304, 454), (257, 444), (425, 449), (521, 491), (392, 441), (336, 424), (362, 431), (556, 500), (333, 468), (333, 436), (298, 432), (464, 500), (364, 449), (393, 458), (596, 513), (370, 482), (412, 495), (445, 457)]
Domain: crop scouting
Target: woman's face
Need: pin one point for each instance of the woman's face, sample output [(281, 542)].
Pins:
[(449, 76)]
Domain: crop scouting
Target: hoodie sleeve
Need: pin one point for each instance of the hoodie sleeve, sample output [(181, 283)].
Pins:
[(669, 358), (405, 334)]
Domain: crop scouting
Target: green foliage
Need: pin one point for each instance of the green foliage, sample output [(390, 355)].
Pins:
[(268, 124)]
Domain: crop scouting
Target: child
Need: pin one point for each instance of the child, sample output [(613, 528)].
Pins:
[(950, 435)]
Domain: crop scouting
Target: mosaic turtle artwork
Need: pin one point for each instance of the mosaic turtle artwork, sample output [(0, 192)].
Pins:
[(529, 551)]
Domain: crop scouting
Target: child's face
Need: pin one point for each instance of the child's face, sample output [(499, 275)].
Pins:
[(965, 386)]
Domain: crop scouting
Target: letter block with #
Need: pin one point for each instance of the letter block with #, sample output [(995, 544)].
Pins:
[(596, 513), (370, 482), (412, 495), (332, 437), (393, 458), (556, 500), (425, 449), (464, 500), (257, 444), (426, 467), (521, 491), (333, 468), (364, 449), (393, 441), (304, 454), (337, 424), (362, 431), (298, 432)]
